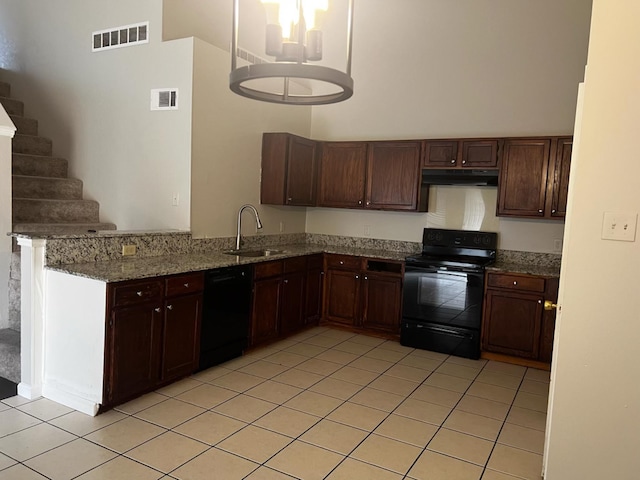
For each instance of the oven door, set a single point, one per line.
(442, 310)
(443, 296)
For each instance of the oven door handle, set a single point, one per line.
(448, 331)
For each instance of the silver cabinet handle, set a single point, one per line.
(539, 301)
(553, 211)
(515, 283)
(169, 307)
(366, 278)
(186, 285)
(341, 262)
(539, 211)
(286, 281)
(453, 161)
(359, 202)
(357, 276)
(464, 162)
(289, 199)
(368, 203)
(139, 293)
(157, 310)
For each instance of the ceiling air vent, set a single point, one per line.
(164, 99)
(250, 57)
(125, 36)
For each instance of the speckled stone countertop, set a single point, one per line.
(511, 267)
(147, 267)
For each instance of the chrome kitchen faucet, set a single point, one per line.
(258, 223)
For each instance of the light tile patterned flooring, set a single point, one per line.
(322, 404)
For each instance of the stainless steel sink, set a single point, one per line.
(255, 253)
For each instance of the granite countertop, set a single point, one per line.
(512, 267)
(133, 268)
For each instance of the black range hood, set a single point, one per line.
(432, 176)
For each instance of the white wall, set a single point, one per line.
(227, 145)
(95, 106)
(594, 431)
(437, 69)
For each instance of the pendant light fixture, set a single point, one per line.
(294, 44)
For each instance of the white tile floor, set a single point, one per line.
(323, 404)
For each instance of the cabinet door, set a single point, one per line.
(342, 296)
(342, 174)
(560, 186)
(512, 323)
(134, 339)
(301, 172)
(291, 318)
(479, 154)
(180, 339)
(313, 290)
(523, 178)
(265, 312)
(382, 300)
(393, 175)
(440, 153)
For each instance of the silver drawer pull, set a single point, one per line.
(186, 285)
(515, 283)
(341, 262)
(169, 307)
(157, 310)
(139, 293)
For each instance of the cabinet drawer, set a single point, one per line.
(139, 292)
(181, 284)
(295, 264)
(267, 269)
(344, 261)
(516, 282)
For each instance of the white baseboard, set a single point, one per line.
(70, 400)
(27, 391)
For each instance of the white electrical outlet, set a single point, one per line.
(619, 226)
(557, 245)
(128, 250)
(282, 227)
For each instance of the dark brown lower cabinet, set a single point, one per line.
(282, 301)
(313, 290)
(363, 293)
(382, 300)
(152, 334)
(515, 322)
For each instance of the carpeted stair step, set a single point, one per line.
(24, 125)
(62, 228)
(10, 355)
(32, 145)
(25, 186)
(5, 89)
(39, 166)
(13, 107)
(31, 210)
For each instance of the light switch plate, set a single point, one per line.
(619, 226)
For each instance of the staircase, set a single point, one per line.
(45, 201)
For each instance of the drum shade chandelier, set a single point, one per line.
(293, 39)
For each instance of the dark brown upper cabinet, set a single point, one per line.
(289, 170)
(374, 175)
(560, 174)
(343, 170)
(393, 175)
(466, 153)
(534, 177)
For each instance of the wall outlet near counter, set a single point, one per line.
(282, 227)
(557, 245)
(128, 250)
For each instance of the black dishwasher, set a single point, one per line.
(226, 311)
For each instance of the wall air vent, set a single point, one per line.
(164, 99)
(125, 36)
(250, 57)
